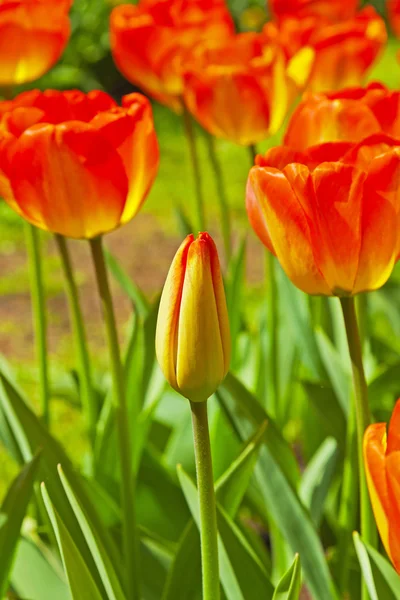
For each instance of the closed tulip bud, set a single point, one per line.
(193, 343)
(382, 466)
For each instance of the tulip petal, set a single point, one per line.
(380, 222)
(338, 195)
(393, 486)
(68, 179)
(168, 314)
(375, 469)
(200, 355)
(289, 225)
(131, 132)
(393, 444)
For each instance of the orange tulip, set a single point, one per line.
(33, 35)
(330, 214)
(382, 466)
(332, 9)
(193, 340)
(241, 89)
(393, 10)
(76, 164)
(150, 40)
(344, 51)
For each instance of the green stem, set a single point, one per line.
(273, 325)
(223, 203)
(363, 418)
(130, 532)
(252, 153)
(208, 512)
(39, 317)
(86, 383)
(194, 158)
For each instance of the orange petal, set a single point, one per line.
(168, 314)
(68, 179)
(281, 156)
(288, 225)
(380, 222)
(393, 486)
(393, 442)
(375, 469)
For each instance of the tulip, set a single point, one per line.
(193, 338)
(330, 214)
(76, 164)
(382, 465)
(393, 11)
(149, 41)
(241, 89)
(334, 10)
(33, 35)
(344, 51)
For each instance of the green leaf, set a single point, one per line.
(326, 404)
(80, 579)
(382, 581)
(232, 485)
(275, 481)
(289, 586)
(12, 513)
(37, 574)
(318, 477)
(242, 573)
(184, 577)
(338, 369)
(234, 295)
(94, 533)
(127, 284)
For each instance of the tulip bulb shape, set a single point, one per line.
(382, 466)
(193, 342)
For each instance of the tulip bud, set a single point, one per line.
(193, 343)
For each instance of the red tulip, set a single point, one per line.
(76, 164)
(330, 214)
(149, 41)
(382, 466)
(241, 89)
(393, 10)
(344, 51)
(33, 35)
(332, 9)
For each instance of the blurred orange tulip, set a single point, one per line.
(331, 9)
(193, 341)
(344, 51)
(33, 35)
(330, 213)
(149, 41)
(393, 11)
(241, 89)
(382, 466)
(76, 164)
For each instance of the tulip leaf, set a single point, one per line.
(326, 405)
(127, 284)
(89, 529)
(337, 369)
(276, 485)
(37, 576)
(80, 580)
(234, 295)
(241, 572)
(382, 581)
(12, 513)
(289, 586)
(317, 478)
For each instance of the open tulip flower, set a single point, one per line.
(76, 164)
(344, 51)
(242, 88)
(393, 11)
(193, 342)
(332, 9)
(150, 39)
(347, 115)
(330, 213)
(33, 35)
(382, 466)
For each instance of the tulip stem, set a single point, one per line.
(39, 317)
(363, 417)
(223, 203)
(130, 532)
(253, 154)
(86, 383)
(208, 511)
(194, 158)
